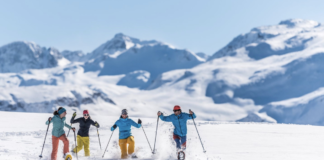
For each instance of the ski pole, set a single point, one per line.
(156, 133)
(198, 133)
(99, 138)
(71, 124)
(108, 144)
(69, 131)
(147, 139)
(49, 122)
(76, 147)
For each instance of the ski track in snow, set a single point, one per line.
(223, 141)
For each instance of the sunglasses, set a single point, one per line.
(176, 110)
(86, 115)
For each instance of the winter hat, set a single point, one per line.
(176, 107)
(85, 112)
(62, 110)
(125, 112)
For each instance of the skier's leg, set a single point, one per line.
(183, 142)
(65, 142)
(55, 143)
(177, 140)
(79, 144)
(86, 143)
(131, 145)
(123, 148)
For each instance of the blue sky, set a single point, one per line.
(199, 26)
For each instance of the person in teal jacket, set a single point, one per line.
(58, 132)
(125, 134)
(179, 121)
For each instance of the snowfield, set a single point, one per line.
(22, 136)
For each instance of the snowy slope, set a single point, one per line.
(23, 139)
(19, 56)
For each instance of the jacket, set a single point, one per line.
(125, 127)
(179, 122)
(84, 125)
(58, 125)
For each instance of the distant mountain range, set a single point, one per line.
(272, 74)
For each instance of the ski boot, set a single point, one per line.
(134, 156)
(67, 156)
(181, 155)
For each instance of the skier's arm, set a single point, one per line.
(165, 118)
(135, 124)
(47, 122)
(68, 126)
(96, 124)
(191, 116)
(114, 126)
(75, 120)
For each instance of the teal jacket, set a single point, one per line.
(125, 127)
(179, 122)
(58, 125)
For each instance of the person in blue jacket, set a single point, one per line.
(125, 135)
(179, 121)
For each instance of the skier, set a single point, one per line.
(125, 135)
(58, 132)
(179, 121)
(83, 133)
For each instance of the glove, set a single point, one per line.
(139, 121)
(49, 119)
(74, 114)
(73, 129)
(115, 126)
(97, 124)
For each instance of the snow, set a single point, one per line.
(23, 137)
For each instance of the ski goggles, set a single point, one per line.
(86, 115)
(176, 110)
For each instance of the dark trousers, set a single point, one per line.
(180, 140)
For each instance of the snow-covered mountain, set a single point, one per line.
(270, 74)
(74, 56)
(203, 55)
(289, 36)
(19, 56)
(272, 63)
(124, 55)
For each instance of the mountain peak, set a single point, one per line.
(21, 55)
(299, 23)
(289, 36)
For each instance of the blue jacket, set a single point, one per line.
(58, 125)
(125, 127)
(179, 122)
